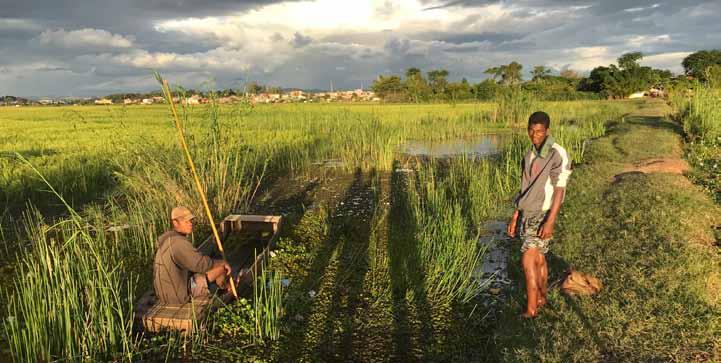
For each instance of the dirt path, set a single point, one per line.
(634, 220)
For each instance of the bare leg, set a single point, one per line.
(542, 280)
(530, 268)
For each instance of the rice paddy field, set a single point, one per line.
(379, 254)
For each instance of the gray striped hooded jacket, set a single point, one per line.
(542, 172)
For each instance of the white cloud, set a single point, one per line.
(307, 43)
(670, 61)
(586, 58)
(8, 24)
(645, 40)
(635, 10)
(84, 38)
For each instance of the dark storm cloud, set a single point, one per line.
(460, 38)
(66, 11)
(463, 49)
(604, 7)
(97, 47)
(135, 16)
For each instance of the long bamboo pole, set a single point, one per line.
(181, 136)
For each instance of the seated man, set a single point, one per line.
(176, 258)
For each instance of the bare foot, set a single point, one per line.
(528, 315)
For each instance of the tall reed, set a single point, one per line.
(71, 299)
(448, 249)
(267, 305)
(702, 120)
(513, 104)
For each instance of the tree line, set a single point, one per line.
(613, 81)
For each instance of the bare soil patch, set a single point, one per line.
(673, 165)
(661, 165)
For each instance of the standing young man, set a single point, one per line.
(546, 168)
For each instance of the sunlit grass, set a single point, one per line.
(122, 166)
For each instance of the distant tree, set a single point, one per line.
(458, 91)
(509, 73)
(495, 72)
(629, 61)
(539, 73)
(512, 73)
(253, 88)
(411, 72)
(438, 82)
(626, 78)
(227, 92)
(390, 88)
(486, 90)
(696, 64)
(417, 86)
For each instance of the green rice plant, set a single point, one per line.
(702, 119)
(267, 305)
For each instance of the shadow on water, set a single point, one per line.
(337, 272)
(353, 261)
(410, 302)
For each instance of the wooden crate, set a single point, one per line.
(155, 317)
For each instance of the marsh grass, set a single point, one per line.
(126, 161)
(268, 307)
(71, 299)
(447, 248)
(702, 117)
(700, 114)
(513, 105)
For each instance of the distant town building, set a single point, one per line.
(104, 101)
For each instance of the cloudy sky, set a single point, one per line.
(96, 47)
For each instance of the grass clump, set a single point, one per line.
(702, 117)
(71, 299)
(448, 249)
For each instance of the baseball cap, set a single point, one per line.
(181, 213)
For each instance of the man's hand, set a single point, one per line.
(546, 230)
(511, 230)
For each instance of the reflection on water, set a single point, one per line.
(484, 145)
